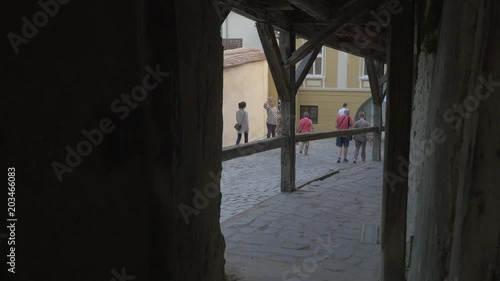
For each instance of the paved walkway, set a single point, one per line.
(247, 181)
(310, 234)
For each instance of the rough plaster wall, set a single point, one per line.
(420, 118)
(457, 228)
(247, 82)
(476, 244)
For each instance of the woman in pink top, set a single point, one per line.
(305, 126)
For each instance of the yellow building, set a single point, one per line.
(335, 78)
(245, 79)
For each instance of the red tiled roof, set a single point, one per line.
(241, 56)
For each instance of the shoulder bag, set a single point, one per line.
(237, 127)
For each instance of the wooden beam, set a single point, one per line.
(284, 46)
(343, 44)
(304, 66)
(373, 44)
(377, 135)
(236, 151)
(377, 70)
(246, 149)
(377, 107)
(273, 55)
(347, 13)
(372, 78)
(397, 143)
(313, 8)
(351, 48)
(382, 79)
(347, 45)
(279, 5)
(309, 30)
(250, 11)
(222, 10)
(287, 46)
(246, 9)
(333, 134)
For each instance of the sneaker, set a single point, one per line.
(354, 161)
(338, 160)
(345, 160)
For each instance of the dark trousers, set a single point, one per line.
(271, 130)
(239, 138)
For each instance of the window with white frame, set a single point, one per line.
(316, 69)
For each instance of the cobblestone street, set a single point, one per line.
(311, 234)
(249, 180)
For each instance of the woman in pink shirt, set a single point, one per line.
(305, 126)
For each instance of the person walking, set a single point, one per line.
(361, 139)
(305, 126)
(242, 120)
(272, 117)
(344, 122)
(343, 109)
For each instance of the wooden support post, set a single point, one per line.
(304, 66)
(285, 81)
(373, 79)
(222, 10)
(287, 47)
(397, 142)
(377, 136)
(315, 9)
(273, 56)
(373, 76)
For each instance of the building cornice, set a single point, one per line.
(314, 89)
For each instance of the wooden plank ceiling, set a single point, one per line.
(346, 18)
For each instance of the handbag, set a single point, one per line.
(237, 127)
(298, 132)
(349, 125)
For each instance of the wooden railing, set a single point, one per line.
(250, 148)
(236, 151)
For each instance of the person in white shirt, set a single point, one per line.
(341, 111)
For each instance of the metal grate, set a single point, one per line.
(232, 43)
